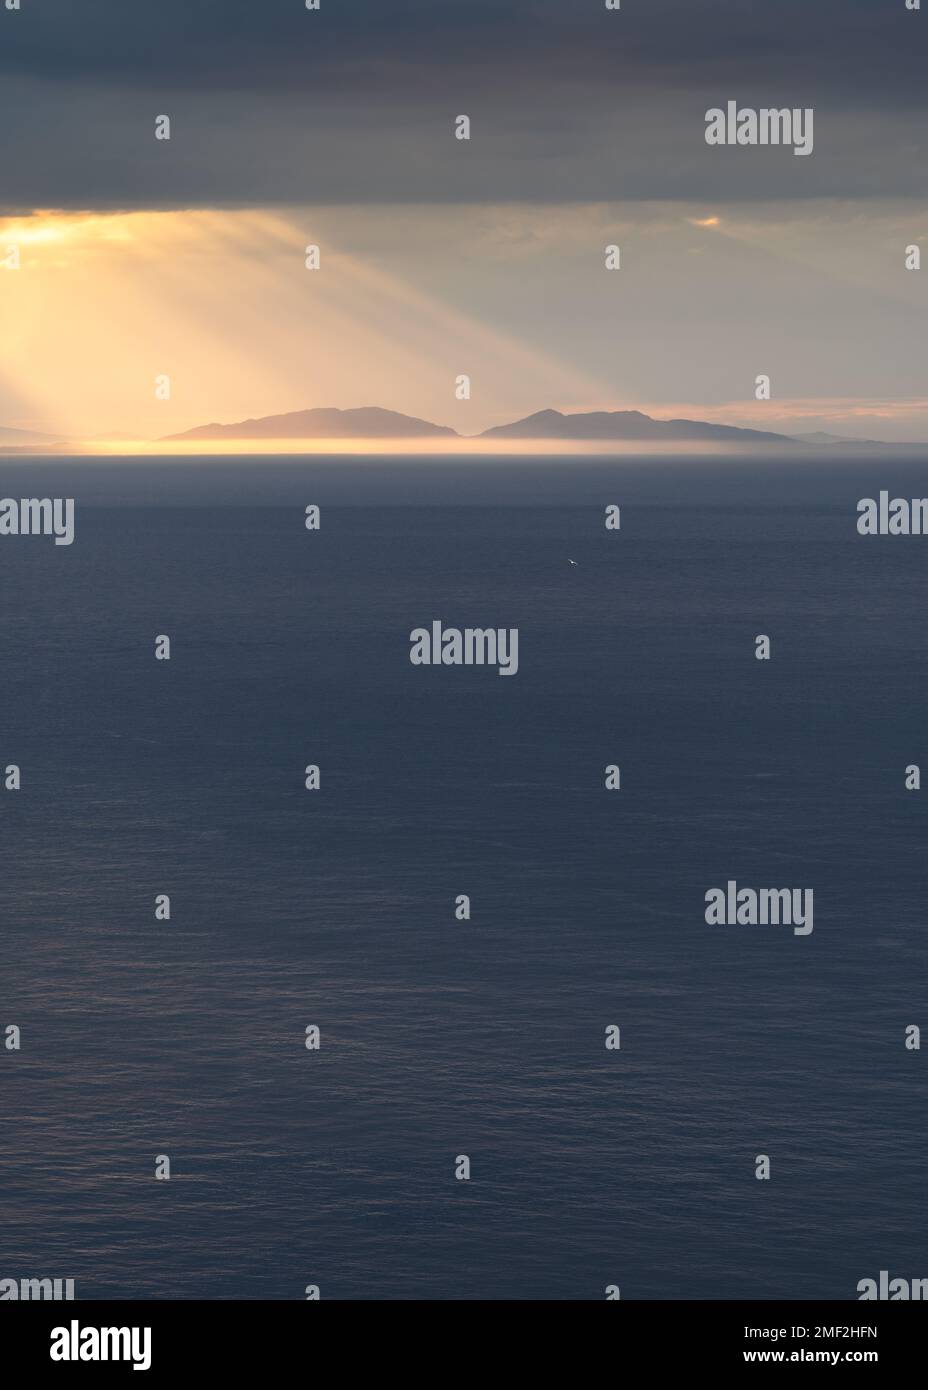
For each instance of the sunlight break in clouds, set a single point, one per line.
(515, 296)
(223, 304)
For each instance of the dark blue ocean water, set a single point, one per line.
(442, 1038)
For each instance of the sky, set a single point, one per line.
(441, 257)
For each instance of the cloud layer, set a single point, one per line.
(273, 104)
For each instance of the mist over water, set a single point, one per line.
(787, 479)
(336, 908)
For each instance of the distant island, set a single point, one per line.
(27, 438)
(626, 424)
(374, 426)
(371, 422)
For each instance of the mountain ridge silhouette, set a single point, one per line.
(374, 422)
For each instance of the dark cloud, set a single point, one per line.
(275, 104)
(872, 50)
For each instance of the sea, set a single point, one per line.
(441, 1037)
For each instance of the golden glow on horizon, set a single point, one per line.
(104, 303)
(388, 448)
(221, 302)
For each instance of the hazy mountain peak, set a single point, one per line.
(625, 425)
(11, 436)
(366, 422)
(376, 423)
